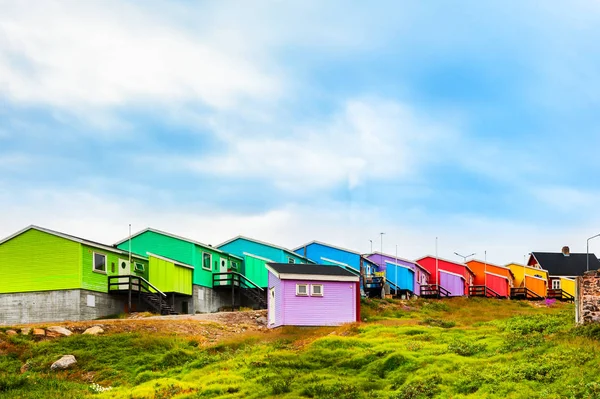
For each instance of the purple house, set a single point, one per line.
(404, 276)
(312, 295)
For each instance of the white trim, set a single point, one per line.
(335, 261)
(240, 237)
(135, 269)
(399, 265)
(454, 274)
(83, 241)
(200, 244)
(312, 292)
(316, 277)
(536, 277)
(306, 286)
(559, 284)
(94, 253)
(175, 262)
(526, 266)
(210, 265)
(394, 257)
(257, 257)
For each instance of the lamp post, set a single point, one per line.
(587, 251)
(371, 245)
(464, 257)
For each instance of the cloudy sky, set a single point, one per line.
(290, 121)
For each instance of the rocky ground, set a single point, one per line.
(205, 328)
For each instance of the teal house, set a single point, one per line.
(257, 254)
(208, 290)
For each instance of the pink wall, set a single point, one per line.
(336, 306)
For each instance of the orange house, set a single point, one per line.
(491, 280)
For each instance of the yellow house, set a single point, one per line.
(533, 278)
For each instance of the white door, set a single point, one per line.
(556, 284)
(223, 268)
(124, 270)
(272, 305)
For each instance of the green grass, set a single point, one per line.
(458, 348)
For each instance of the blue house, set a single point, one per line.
(257, 254)
(327, 254)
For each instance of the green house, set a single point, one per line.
(204, 261)
(48, 275)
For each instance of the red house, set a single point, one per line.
(451, 279)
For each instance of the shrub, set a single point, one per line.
(8, 382)
(437, 322)
(465, 348)
(419, 389)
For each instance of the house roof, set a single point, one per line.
(149, 229)
(288, 271)
(492, 264)
(526, 266)
(69, 237)
(558, 264)
(446, 260)
(268, 244)
(327, 245)
(401, 259)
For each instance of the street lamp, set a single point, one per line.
(464, 257)
(587, 252)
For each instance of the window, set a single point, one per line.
(99, 263)
(316, 290)
(206, 261)
(291, 260)
(138, 267)
(556, 284)
(302, 289)
(234, 265)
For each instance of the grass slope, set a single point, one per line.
(458, 348)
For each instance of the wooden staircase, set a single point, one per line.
(140, 288)
(524, 293)
(434, 291)
(398, 292)
(246, 287)
(484, 291)
(560, 295)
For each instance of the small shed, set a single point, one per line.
(312, 295)
(447, 278)
(491, 280)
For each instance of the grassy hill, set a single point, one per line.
(458, 348)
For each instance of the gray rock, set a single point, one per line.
(94, 330)
(64, 363)
(11, 332)
(25, 330)
(57, 330)
(262, 320)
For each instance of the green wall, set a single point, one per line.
(97, 281)
(179, 250)
(169, 277)
(38, 261)
(255, 270)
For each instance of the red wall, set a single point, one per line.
(428, 263)
(498, 284)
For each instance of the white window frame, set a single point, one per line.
(103, 271)
(209, 268)
(306, 292)
(141, 269)
(556, 284)
(291, 261)
(312, 290)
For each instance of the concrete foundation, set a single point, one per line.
(208, 300)
(42, 306)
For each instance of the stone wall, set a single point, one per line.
(587, 301)
(42, 306)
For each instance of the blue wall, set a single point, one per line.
(241, 245)
(403, 277)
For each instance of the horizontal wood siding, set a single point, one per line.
(567, 285)
(401, 276)
(96, 281)
(316, 251)
(255, 270)
(274, 282)
(336, 306)
(38, 261)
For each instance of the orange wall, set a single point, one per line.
(536, 285)
(478, 268)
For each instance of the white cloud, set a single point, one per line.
(76, 54)
(368, 138)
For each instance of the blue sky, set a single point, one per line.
(294, 121)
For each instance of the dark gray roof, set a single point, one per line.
(558, 264)
(299, 268)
